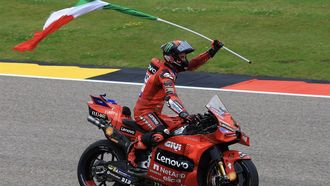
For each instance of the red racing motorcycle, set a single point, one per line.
(195, 154)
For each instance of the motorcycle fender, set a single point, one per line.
(230, 157)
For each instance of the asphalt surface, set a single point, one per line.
(43, 130)
(197, 79)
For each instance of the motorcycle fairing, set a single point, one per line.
(170, 171)
(230, 157)
(244, 139)
(111, 112)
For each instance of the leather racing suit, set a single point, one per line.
(158, 88)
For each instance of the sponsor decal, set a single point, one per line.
(229, 165)
(152, 68)
(168, 83)
(173, 145)
(110, 111)
(219, 112)
(224, 130)
(146, 78)
(127, 130)
(124, 179)
(179, 105)
(168, 47)
(174, 161)
(97, 114)
(166, 74)
(171, 176)
(227, 127)
(242, 155)
(153, 119)
(230, 135)
(156, 167)
(156, 179)
(155, 172)
(116, 170)
(172, 180)
(191, 139)
(115, 176)
(174, 106)
(146, 122)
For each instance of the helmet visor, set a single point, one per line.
(184, 47)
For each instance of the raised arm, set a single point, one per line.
(202, 58)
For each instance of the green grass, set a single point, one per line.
(285, 38)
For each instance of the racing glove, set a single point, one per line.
(216, 46)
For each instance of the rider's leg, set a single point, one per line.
(157, 134)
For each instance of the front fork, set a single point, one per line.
(226, 166)
(222, 178)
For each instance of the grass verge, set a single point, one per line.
(284, 38)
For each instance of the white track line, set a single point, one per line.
(183, 87)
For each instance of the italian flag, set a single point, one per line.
(62, 17)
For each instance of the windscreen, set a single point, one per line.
(216, 106)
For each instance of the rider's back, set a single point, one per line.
(151, 97)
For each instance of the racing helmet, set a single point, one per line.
(172, 51)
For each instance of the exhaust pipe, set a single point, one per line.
(95, 122)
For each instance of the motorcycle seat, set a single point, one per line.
(132, 124)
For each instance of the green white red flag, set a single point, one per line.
(62, 17)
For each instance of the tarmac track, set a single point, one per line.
(43, 130)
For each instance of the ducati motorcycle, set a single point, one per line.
(195, 154)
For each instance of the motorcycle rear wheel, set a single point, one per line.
(247, 174)
(102, 150)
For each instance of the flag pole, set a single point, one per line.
(184, 28)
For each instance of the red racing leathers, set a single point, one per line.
(158, 88)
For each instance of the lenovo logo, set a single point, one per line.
(127, 130)
(174, 161)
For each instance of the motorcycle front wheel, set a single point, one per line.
(247, 174)
(90, 163)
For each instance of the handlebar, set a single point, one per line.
(207, 124)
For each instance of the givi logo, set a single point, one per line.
(173, 145)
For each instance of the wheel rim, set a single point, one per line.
(93, 176)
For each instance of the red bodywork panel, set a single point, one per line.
(175, 161)
(112, 113)
(230, 157)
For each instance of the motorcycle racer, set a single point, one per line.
(159, 88)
